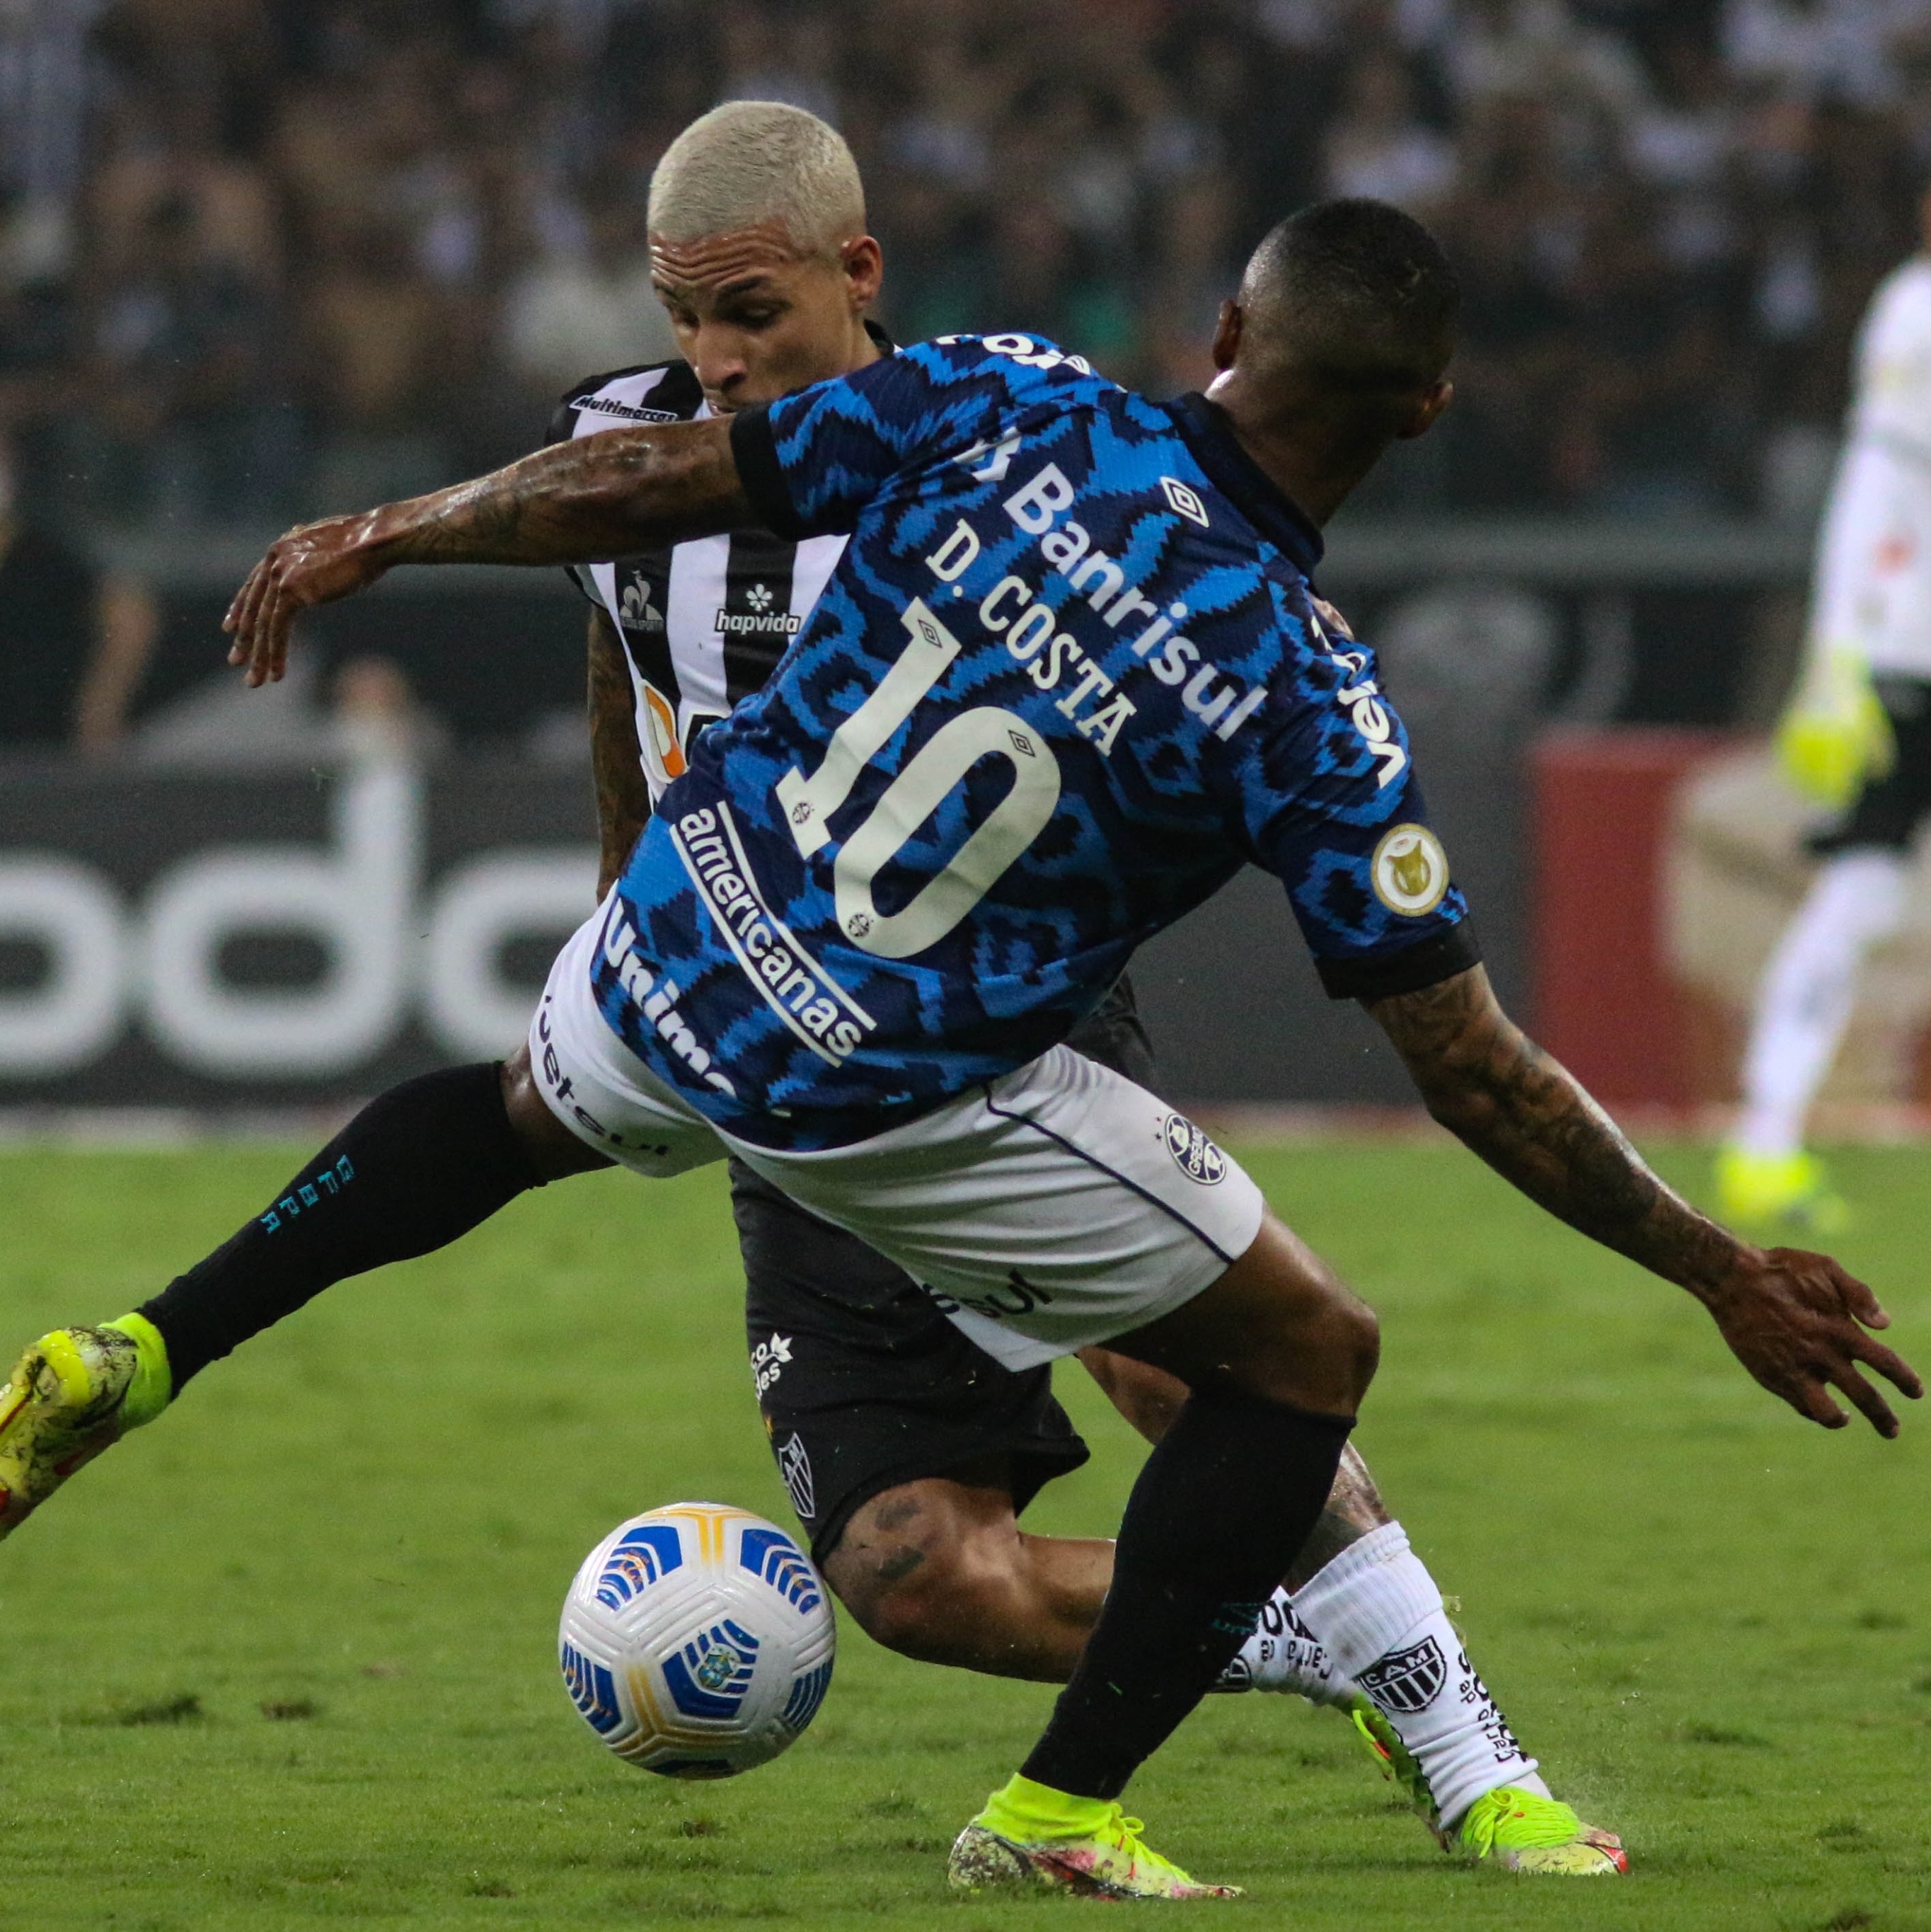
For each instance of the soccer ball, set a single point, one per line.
(697, 1640)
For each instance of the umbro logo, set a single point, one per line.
(1186, 501)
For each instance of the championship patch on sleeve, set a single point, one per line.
(1410, 871)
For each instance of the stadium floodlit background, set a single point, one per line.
(286, 1656)
(259, 261)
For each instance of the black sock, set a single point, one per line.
(419, 1165)
(1218, 1516)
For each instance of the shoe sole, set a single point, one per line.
(982, 1860)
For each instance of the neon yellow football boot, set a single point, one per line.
(1516, 1831)
(1521, 1832)
(1030, 1834)
(1770, 1190)
(72, 1394)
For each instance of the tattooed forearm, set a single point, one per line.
(623, 800)
(597, 497)
(1526, 1115)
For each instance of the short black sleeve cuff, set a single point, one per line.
(754, 450)
(1381, 976)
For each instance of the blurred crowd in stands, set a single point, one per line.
(263, 258)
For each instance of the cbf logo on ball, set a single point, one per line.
(1196, 1157)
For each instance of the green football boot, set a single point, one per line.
(72, 1394)
(1030, 1835)
(1514, 1830)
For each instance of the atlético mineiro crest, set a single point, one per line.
(795, 1465)
(1408, 1681)
(1196, 1157)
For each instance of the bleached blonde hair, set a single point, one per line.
(753, 161)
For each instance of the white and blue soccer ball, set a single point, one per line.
(697, 1640)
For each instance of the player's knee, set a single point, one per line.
(1348, 1331)
(552, 1150)
(1320, 1351)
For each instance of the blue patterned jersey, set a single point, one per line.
(1069, 676)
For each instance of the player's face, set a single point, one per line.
(756, 320)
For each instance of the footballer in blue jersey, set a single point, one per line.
(1067, 679)
(931, 841)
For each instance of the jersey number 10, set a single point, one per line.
(941, 764)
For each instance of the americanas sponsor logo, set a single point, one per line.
(1195, 1155)
(1410, 871)
(796, 987)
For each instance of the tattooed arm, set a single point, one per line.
(623, 799)
(1792, 1318)
(595, 497)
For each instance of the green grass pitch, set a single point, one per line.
(286, 1659)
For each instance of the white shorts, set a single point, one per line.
(1058, 1206)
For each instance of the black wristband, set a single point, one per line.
(1379, 976)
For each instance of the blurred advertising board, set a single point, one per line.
(277, 936)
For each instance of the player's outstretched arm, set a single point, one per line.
(595, 497)
(1796, 1320)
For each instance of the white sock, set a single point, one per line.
(1376, 1612)
(1809, 989)
(1284, 1655)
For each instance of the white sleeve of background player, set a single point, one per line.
(1844, 605)
(1880, 501)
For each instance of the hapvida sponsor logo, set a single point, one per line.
(760, 619)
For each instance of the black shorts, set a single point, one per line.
(862, 1383)
(1890, 809)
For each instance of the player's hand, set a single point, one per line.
(1798, 1321)
(314, 563)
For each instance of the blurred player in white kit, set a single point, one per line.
(1857, 737)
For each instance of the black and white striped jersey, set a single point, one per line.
(704, 623)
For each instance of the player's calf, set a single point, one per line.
(939, 1570)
